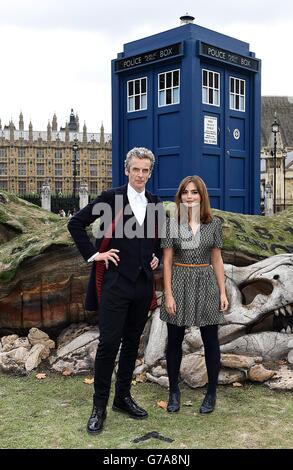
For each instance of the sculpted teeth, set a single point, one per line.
(287, 330)
(286, 310)
(289, 309)
(283, 311)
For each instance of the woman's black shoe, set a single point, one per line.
(208, 404)
(174, 402)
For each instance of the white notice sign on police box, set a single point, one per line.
(210, 130)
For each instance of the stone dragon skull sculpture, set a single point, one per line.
(260, 316)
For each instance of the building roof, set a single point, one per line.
(69, 133)
(91, 136)
(73, 124)
(283, 107)
(289, 160)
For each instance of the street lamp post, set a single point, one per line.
(275, 130)
(284, 176)
(75, 149)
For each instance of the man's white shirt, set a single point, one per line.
(138, 203)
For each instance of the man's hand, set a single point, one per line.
(110, 255)
(154, 263)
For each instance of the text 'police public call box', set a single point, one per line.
(192, 96)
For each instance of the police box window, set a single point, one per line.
(137, 94)
(169, 88)
(210, 87)
(237, 94)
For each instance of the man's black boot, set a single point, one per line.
(208, 404)
(128, 406)
(174, 402)
(96, 420)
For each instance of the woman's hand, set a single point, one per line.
(170, 304)
(107, 256)
(224, 304)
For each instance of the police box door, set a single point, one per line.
(225, 157)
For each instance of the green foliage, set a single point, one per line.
(36, 230)
(254, 235)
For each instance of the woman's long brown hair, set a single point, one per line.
(205, 207)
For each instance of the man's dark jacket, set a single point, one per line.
(135, 254)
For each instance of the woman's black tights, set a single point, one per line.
(209, 335)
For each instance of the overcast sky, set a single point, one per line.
(56, 54)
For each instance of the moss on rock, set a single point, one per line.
(254, 235)
(36, 230)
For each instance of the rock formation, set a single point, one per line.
(43, 278)
(43, 281)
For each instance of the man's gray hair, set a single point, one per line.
(139, 152)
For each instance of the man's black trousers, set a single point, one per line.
(123, 312)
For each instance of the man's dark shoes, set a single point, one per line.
(174, 402)
(128, 406)
(96, 420)
(208, 404)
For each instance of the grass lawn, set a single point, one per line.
(52, 413)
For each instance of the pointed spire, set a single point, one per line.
(11, 131)
(30, 132)
(54, 123)
(66, 132)
(49, 132)
(72, 121)
(84, 134)
(77, 122)
(0, 125)
(102, 135)
(21, 123)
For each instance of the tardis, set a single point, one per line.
(193, 97)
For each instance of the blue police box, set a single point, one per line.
(193, 97)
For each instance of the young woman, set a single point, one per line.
(194, 285)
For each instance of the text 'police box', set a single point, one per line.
(192, 96)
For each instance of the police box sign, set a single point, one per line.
(229, 57)
(147, 57)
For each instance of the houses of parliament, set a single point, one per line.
(30, 158)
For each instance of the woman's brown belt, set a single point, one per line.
(191, 265)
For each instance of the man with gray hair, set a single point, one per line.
(127, 288)
(141, 153)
